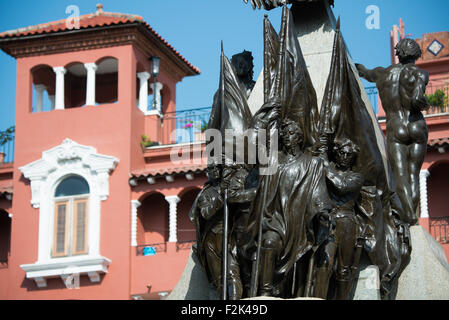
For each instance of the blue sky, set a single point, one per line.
(195, 29)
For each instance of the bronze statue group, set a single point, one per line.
(333, 201)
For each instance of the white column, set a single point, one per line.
(173, 201)
(143, 91)
(423, 175)
(52, 101)
(90, 87)
(134, 205)
(157, 95)
(39, 89)
(60, 72)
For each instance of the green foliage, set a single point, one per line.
(438, 99)
(7, 135)
(146, 142)
(202, 126)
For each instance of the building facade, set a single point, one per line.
(82, 122)
(94, 203)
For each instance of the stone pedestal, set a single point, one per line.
(193, 284)
(368, 283)
(427, 275)
(425, 278)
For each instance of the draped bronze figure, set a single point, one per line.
(303, 229)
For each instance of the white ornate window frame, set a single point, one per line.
(45, 174)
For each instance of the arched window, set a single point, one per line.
(5, 238)
(106, 87)
(75, 85)
(70, 217)
(43, 89)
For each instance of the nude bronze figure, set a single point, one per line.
(402, 90)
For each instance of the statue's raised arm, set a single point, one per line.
(271, 4)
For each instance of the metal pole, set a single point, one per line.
(256, 264)
(224, 267)
(154, 92)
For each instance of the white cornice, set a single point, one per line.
(69, 157)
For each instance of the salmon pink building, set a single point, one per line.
(87, 210)
(96, 187)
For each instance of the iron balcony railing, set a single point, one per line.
(185, 126)
(373, 94)
(438, 97)
(151, 249)
(439, 229)
(7, 152)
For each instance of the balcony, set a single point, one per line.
(373, 94)
(188, 126)
(439, 100)
(439, 228)
(185, 126)
(7, 152)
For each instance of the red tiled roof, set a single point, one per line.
(168, 171)
(92, 20)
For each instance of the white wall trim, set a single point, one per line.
(69, 158)
(134, 205)
(81, 265)
(172, 220)
(56, 164)
(424, 209)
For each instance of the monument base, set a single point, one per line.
(427, 275)
(193, 284)
(425, 278)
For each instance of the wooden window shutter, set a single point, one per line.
(79, 245)
(60, 234)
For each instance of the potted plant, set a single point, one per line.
(438, 100)
(5, 137)
(200, 134)
(146, 142)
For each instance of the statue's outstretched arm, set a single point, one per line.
(370, 75)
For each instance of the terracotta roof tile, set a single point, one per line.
(93, 20)
(167, 171)
(436, 143)
(6, 188)
(85, 21)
